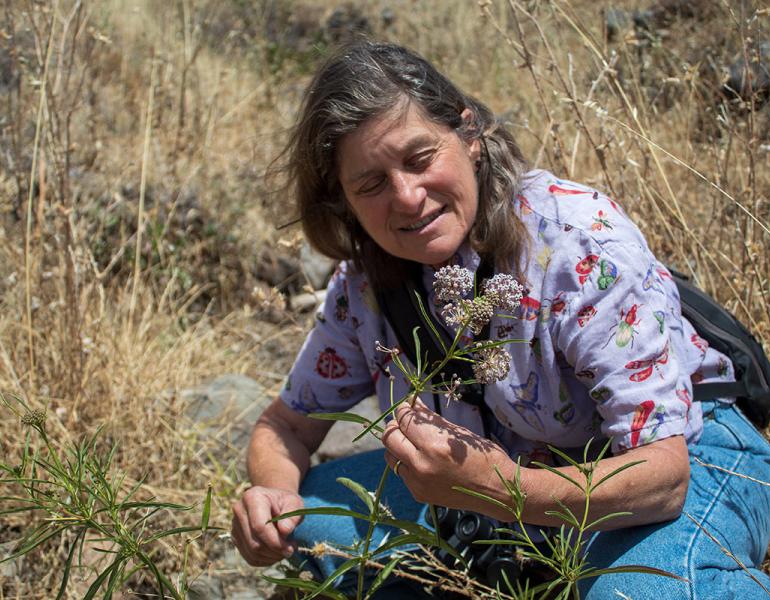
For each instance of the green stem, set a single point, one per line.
(373, 519)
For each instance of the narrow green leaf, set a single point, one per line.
(426, 319)
(566, 517)
(206, 509)
(65, 577)
(618, 470)
(344, 416)
(600, 520)
(484, 497)
(383, 575)
(565, 456)
(417, 353)
(178, 530)
(359, 491)
(398, 541)
(301, 584)
(91, 592)
(322, 510)
(374, 423)
(329, 581)
(162, 580)
(556, 471)
(631, 569)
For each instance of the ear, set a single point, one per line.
(474, 147)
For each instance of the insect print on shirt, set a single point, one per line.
(722, 367)
(585, 314)
(586, 375)
(529, 308)
(502, 331)
(644, 368)
(601, 394)
(585, 266)
(308, 402)
(608, 274)
(526, 208)
(551, 306)
(684, 396)
(544, 257)
(541, 227)
(650, 282)
(566, 412)
(660, 317)
(624, 331)
(641, 416)
(537, 350)
(341, 307)
(699, 342)
(568, 188)
(526, 402)
(331, 365)
(600, 222)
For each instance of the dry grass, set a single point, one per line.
(164, 116)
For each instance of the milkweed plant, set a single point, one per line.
(563, 555)
(85, 503)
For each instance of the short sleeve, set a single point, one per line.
(614, 334)
(330, 372)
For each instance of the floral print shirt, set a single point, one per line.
(600, 348)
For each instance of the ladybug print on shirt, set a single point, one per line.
(331, 365)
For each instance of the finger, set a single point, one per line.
(252, 550)
(398, 444)
(264, 532)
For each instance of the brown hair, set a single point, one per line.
(363, 81)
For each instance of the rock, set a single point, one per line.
(617, 21)
(206, 587)
(345, 23)
(316, 267)
(338, 442)
(224, 412)
(306, 302)
(753, 76)
(12, 568)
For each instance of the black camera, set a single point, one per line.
(491, 564)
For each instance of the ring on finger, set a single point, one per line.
(396, 466)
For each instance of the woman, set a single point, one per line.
(396, 167)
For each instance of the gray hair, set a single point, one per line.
(368, 79)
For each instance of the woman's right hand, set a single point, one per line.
(260, 542)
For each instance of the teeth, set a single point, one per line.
(423, 222)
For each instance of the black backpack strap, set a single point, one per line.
(729, 336)
(402, 310)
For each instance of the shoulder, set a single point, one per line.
(557, 207)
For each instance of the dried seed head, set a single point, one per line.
(452, 283)
(503, 291)
(34, 418)
(492, 364)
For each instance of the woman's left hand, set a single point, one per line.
(434, 455)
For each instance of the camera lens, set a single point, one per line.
(468, 527)
(498, 567)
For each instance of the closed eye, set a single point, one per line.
(421, 160)
(371, 186)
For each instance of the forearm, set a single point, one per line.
(652, 491)
(280, 447)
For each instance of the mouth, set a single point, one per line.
(427, 220)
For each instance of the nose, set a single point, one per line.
(408, 192)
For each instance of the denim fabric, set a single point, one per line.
(734, 510)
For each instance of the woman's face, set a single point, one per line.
(411, 183)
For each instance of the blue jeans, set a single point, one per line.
(734, 510)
